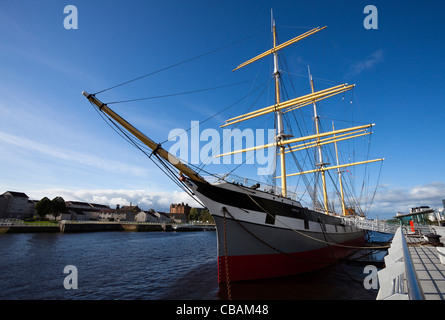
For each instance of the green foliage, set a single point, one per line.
(44, 207)
(202, 215)
(206, 216)
(55, 207)
(58, 207)
(193, 215)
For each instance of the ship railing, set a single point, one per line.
(250, 183)
(370, 224)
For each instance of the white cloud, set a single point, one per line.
(70, 155)
(360, 66)
(390, 200)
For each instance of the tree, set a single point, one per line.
(206, 216)
(202, 215)
(44, 207)
(193, 215)
(58, 206)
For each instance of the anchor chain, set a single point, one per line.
(229, 294)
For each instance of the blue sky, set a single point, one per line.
(53, 143)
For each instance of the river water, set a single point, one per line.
(147, 266)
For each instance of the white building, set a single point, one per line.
(156, 217)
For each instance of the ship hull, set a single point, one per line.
(262, 236)
(270, 253)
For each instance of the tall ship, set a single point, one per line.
(264, 231)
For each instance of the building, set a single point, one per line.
(112, 215)
(128, 212)
(15, 205)
(153, 216)
(418, 215)
(32, 208)
(78, 210)
(180, 212)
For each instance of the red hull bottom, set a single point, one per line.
(250, 267)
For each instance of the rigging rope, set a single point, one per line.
(179, 93)
(164, 166)
(178, 63)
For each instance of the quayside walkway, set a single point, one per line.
(414, 267)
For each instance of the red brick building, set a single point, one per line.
(180, 211)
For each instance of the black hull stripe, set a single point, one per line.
(274, 207)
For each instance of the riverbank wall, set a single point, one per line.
(29, 229)
(77, 227)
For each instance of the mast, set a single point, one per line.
(282, 140)
(279, 115)
(343, 208)
(320, 163)
(277, 108)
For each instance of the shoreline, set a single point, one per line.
(93, 226)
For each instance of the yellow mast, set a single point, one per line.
(144, 139)
(343, 208)
(280, 137)
(280, 46)
(280, 129)
(300, 139)
(321, 164)
(291, 104)
(329, 140)
(334, 167)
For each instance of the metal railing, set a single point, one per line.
(12, 222)
(415, 291)
(249, 183)
(398, 280)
